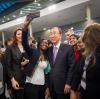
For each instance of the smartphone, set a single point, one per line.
(33, 15)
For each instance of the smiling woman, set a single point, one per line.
(16, 63)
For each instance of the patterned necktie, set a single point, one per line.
(54, 54)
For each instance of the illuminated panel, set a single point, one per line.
(5, 6)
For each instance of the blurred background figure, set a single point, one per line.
(68, 33)
(2, 92)
(32, 42)
(9, 41)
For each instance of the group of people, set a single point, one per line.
(53, 69)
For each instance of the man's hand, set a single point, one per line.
(47, 93)
(73, 95)
(67, 89)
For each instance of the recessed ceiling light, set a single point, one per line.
(3, 21)
(44, 29)
(21, 12)
(52, 7)
(8, 19)
(29, 9)
(14, 16)
(38, 4)
(35, 1)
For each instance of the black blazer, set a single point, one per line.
(13, 63)
(93, 77)
(62, 70)
(77, 74)
(33, 54)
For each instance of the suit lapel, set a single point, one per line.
(18, 52)
(51, 55)
(90, 65)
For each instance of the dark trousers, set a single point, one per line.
(34, 91)
(18, 94)
(55, 95)
(2, 96)
(82, 93)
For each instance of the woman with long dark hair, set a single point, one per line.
(38, 67)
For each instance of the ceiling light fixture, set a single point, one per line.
(29, 9)
(14, 16)
(44, 29)
(52, 7)
(39, 4)
(21, 12)
(3, 21)
(8, 19)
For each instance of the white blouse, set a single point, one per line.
(38, 77)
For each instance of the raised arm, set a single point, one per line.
(25, 42)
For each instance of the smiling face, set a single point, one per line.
(19, 35)
(55, 35)
(80, 44)
(43, 45)
(67, 35)
(73, 40)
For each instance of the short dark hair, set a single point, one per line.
(76, 36)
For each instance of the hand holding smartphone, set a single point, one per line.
(29, 18)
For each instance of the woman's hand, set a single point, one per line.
(67, 88)
(47, 93)
(24, 62)
(15, 84)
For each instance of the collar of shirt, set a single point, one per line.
(58, 45)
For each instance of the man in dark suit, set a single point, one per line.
(61, 57)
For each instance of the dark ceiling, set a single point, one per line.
(12, 9)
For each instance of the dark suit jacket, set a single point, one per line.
(93, 77)
(13, 63)
(1, 79)
(62, 70)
